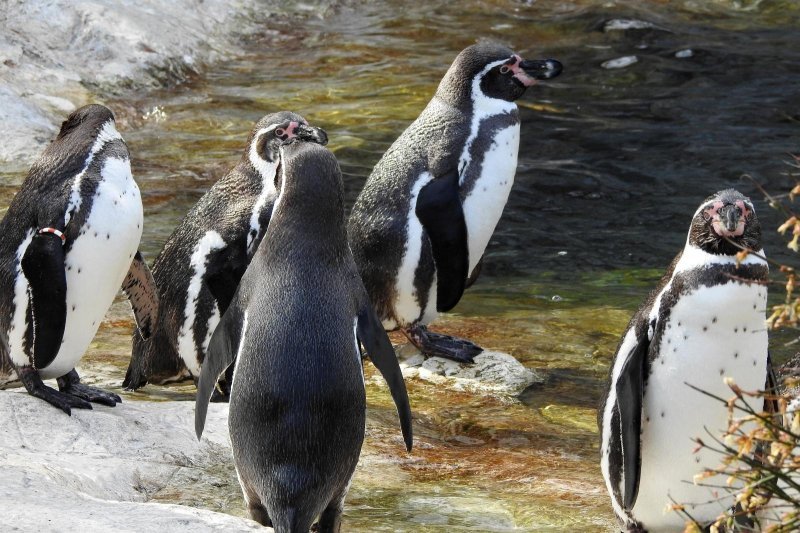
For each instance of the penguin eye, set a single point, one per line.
(280, 132)
(505, 69)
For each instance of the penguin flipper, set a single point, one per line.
(630, 390)
(381, 353)
(220, 355)
(140, 288)
(43, 266)
(440, 212)
(223, 274)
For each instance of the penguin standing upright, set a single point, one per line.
(704, 322)
(420, 226)
(297, 406)
(203, 260)
(68, 243)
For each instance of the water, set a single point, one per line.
(613, 163)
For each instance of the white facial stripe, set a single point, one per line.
(482, 108)
(107, 134)
(266, 169)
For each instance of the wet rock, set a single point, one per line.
(620, 62)
(98, 470)
(626, 24)
(493, 372)
(58, 55)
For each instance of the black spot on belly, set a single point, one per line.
(714, 320)
(744, 328)
(73, 307)
(736, 330)
(79, 271)
(662, 414)
(754, 362)
(696, 459)
(685, 337)
(108, 236)
(95, 234)
(736, 355)
(705, 328)
(721, 371)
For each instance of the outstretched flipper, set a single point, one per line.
(43, 266)
(380, 351)
(440, 212)
(630, 391)
(220, 355)
(140, 288)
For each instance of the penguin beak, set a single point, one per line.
(729, 221)
(541, 69)
(311, 134)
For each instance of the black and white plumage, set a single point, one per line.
(297, 406)
(67, 243)
(703, 323)
(200, 266)
(419, 228)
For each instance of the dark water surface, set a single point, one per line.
(613, 163)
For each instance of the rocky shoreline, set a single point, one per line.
(58, 55)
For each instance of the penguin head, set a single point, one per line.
(725, 224)
(276, 129)
(309, 182)
(88, 119)
(495, 71)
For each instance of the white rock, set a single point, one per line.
(626, 24)
(683, 54)
(620, 62)
(72, 48)
(95, 470)
(493, 372)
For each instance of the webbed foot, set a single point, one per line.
(70, 383)
(439, 345)
(33, 383)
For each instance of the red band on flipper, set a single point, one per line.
(55, 232)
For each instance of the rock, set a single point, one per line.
(620, 62)
(493, 372)
(96, 470)
(57, 55)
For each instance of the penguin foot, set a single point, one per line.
(70, 383)
(439, 345)
(36, 387)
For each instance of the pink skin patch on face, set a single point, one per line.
(712, 214)
(519, 74)
(289, 132)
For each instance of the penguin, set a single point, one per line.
(703, 323)
(68, 242)
(297, 406)
(419, 228)
(200, 266)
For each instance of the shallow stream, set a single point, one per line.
(613, 163)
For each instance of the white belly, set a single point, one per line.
(712, 333)
(98, 261)
(484, 205)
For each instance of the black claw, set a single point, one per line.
(36, 387)
(438, 345)
(71, 385)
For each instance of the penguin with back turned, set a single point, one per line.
(297, 406)
(68, 243)
(420, 226)
(704, 322)
(200, 266)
